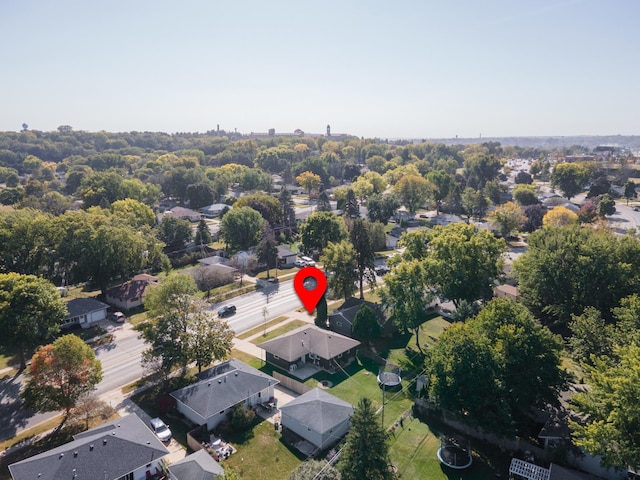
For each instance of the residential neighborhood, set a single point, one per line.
(199, 358)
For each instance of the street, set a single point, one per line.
(121, 357)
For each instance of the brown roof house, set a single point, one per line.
(124, 448)
(308, 349)
(130, 294)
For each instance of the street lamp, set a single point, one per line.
(265, 312)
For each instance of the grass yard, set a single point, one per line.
(260, 329)
(246, 358)
(287, 327)
(413, 450)
(261, 454)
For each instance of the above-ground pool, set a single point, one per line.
(454, 454)
(389, 379)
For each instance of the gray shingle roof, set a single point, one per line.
(106, 452)
(222, 387)
(318, 410)
(309, 339)
(82, 306)
(197, 466)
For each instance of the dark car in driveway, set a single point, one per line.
(227, 310)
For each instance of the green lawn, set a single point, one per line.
(262, 455)
(287, 327)
(260, 329)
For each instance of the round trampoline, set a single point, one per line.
(389, 379)
(455, 454)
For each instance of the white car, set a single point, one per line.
(160, 429)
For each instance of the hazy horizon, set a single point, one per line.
(408, 70)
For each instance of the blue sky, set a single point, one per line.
(408, 69)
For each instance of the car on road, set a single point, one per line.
(227, 310)
(382, 270)
(161, 430)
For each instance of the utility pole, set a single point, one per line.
(265, 312)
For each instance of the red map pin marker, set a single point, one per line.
(310, 298)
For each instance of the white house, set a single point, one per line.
(220, 389)
(85, 312)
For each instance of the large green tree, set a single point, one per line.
(59, 374)
(175, 232)
(241, 228)
(413, 191)
(566, 269)
(406, 296)
(30, 311)
(339, 260)
(462, 263)
(441, 182)
(359, 460)
(320, 229)
(381, 207)
(360, 237)
(610, 410)
(570, 178)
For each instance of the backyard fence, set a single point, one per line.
(291, 384)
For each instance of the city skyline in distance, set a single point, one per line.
(411, 70)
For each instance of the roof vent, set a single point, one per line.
(104, 441)
(75, 454)
(219, 381)
(91, 447)
(236, 374)
(61, 455)
(208, 384)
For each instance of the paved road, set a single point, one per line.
(121, 358)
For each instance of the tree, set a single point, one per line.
(365, 323)
(413, 191)
(175, 232)
(606, 205)
(133, 212)
(241, 228)
(309, 181)
(351, 207)
(534, 215)
(462, 263)
(200, 194)
(507, 218)
(493, 190)
(591, 336)
(611, 410)
(359, 460)
(523, 178)
(569, 178)
(288, 212)
(267, 250)
(207, 338)
(324, 204)
(474, 203)
(30, 311)
(406, 296)
(559, 217)
(339, 260)
(203, 235)
(566, 269)
(441, 183)
(319, 229)
(630, 191)
(314, 470)
(266, 205)
(381, 207)
(480, 167)
(60, 373)
(322, 312)
(365, 253)
(525, 195)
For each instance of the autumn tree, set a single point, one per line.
(358, 459)
(59, 374)
(559, 217)
(30, 311)
(309, 181)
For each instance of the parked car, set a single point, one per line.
(227, 310)
(118, 317)
(382, 270)
(160, 429)
(308, 261)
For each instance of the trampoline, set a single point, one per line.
(389, 379)
(455, 453)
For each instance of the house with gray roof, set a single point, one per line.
(310, 345)
(197, 466)
(341, 321)
(317, 416)
(123, 448)
(85, 312)
(220, 389)
(285, 256)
